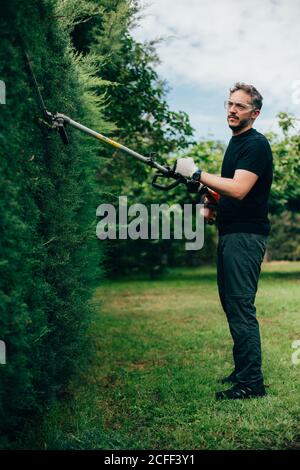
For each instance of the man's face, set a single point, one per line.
(240, 111)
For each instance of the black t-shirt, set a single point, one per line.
(248, 151)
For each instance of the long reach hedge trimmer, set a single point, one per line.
(59, 121)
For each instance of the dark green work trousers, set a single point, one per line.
(239, 262)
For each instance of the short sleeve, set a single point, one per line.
(254, 158)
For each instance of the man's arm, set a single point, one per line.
(237, 187)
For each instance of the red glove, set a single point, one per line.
(210, 201)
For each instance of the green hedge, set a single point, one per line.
(49, 253)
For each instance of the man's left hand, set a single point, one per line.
(209, 213)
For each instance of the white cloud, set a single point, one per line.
(213, 44)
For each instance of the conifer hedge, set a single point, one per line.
(49, 252)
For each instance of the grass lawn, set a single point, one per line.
(160, 347)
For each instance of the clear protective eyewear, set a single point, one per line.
(239, 106)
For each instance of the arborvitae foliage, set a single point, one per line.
(49, 252)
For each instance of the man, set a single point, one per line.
(243, 225)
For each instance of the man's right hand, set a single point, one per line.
(185, 166)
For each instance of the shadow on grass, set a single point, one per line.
(207, 273)
(281, 275)
(212, 276)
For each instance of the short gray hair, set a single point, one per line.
(256, 97)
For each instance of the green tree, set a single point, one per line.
(286, 186)
(136, 103)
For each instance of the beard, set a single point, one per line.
(240, 124)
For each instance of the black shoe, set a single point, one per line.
(228, 379)
(240, 391)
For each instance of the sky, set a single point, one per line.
(211, 44)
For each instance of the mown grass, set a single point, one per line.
(160, 347)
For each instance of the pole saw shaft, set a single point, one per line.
(67, 120)
(58, 121)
